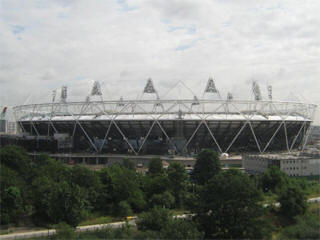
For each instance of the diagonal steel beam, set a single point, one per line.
(296, 137)
(237, 135)
(84, 131)
(214, 139)
(124, 136)
(193, 134)
(286, 135)
(105, 136)
(306, 137)
(146, 137)
(164, 132)
(274, 134)
(254, 135)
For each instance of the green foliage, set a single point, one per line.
(128, 164)
(154, 220)
(65, 232)
(11, 205)
(94, 218)
(165, 200)
(124, 209)
(273, 180)
(55, 202)
(309, 186)
(89, 182)
(84, 177)
(17, 159)
(124, 232)
(13, 193)
(159, 220)
(180, 229)
(207, 165)
(155, 185)
(229, 207)
(119, 184)
(178, 181)
(292, 201)
(307, 227)
(55, 170)
(155, 167)
(148, 234)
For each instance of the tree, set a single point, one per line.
(155, 185)
(273, 180)
(128, 164)
(124, 209)
(292, 201)
(65, 232)
(307, 227)
(154, 220)
(165, 200)
(17, 159)
(120, 184)
(229, 207)
(11, 205)
(155, 167)
(207, 165)
(178, 180)
(89, 182)
(180, 229)
(56, 202)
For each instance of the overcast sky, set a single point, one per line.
(47, 44)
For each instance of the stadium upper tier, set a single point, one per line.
(160, 126)
(167, 109)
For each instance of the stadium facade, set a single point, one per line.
(165, 126)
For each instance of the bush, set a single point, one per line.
(292, 201)
(154, 220)
(180, 229)
(165, 200)
(124, 209)
(273, 180)
(65, 232)
(307, 227)
(155, 167)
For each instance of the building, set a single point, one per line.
(3, 126)
(164, 126)
(11, 127)
(304, 164)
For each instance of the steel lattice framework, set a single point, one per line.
(174, 126)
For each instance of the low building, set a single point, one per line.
(3, 126)
(304, 164)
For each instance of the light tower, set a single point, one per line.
(64, 94)
(211, 88)
(269, 87)
(150, 89)
(256, 91)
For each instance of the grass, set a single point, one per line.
(314, 208)
(19, 229)
(93, 220)
(179, 211)
(269, 198)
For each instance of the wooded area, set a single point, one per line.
(226, 204)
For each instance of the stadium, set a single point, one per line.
(161, 126)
